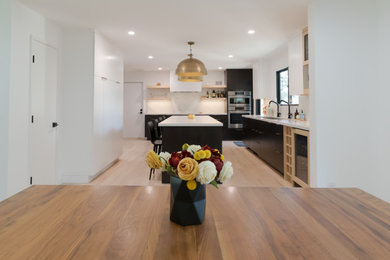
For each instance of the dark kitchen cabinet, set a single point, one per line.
(228, 133)
(239, 79)
(266, 140)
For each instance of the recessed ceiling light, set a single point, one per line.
(230, 56)
(251, 31)
(220, 68)
(159, 68)
(150, 57)
(131, 32)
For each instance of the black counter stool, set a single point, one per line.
(157, 129)
(157, 143)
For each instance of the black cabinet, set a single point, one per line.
(266, 140)
(239, 79)
(228, 133)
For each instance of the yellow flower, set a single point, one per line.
(208, 154)
(199, 155)
(153, 160)
(187, 169)
(196, 156)
(191, 185)
(202, 154)
(217, 150)
(222, 157)
(185, 147)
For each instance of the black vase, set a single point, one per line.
(187, 206)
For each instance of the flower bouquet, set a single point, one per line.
(191, 169)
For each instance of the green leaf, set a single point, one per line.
(214, 183)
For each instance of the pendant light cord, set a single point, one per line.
(190, 43)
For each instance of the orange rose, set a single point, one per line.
(187, 169)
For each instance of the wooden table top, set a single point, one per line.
(129, 222)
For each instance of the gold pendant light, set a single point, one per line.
(191, 70)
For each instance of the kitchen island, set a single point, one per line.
(202, 130)
(132, 222)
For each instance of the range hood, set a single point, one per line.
(179, 86)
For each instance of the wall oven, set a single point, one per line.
(235, 118)
(239, 104)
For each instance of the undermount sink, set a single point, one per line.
(272, 117)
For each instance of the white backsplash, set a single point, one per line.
(186, 103)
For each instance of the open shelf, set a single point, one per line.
(157, 87)
(214, 86)
(158, 98)
(220, 99)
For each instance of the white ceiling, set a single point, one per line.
(162, 27)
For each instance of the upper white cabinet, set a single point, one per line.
(295, 65)
(108, 60)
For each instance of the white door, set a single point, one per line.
(43, 114)
(133, 116)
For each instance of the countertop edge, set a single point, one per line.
(278, 122)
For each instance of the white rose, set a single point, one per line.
(193, 148)
(226, 172)
(206, 173)
(164, 157)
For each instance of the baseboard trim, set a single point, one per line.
(74, 179)
(85, 179)
(91, 178)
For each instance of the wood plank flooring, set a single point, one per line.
(131, 168)
(132, 222)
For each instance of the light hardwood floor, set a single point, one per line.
(131, 168)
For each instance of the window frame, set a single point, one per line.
(278, 85)
(278, 88)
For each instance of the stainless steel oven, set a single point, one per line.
(239, 104)
(239, 98)
(235, 118)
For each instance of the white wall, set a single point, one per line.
(349, 54)
(108, 104)
(25, 24)
(264, 80)
(92, 111)
(179, 103)
(76, 125)
(5, 47)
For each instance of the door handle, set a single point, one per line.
(54, 124)
(140, 111)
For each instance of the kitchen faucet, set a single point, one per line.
(277, 105)
(289, 110)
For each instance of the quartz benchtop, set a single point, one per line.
(198, 121)
(303, 125)
(182, 114)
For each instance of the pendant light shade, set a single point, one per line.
(190, 78)
(191, 70)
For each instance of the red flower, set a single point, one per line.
(218, 164)
(176, 157)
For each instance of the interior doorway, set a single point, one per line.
(134, 119)
(43, 113)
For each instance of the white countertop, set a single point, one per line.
(182, 114)
(304, 125)
(184, 121)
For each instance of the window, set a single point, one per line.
(282, 91)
